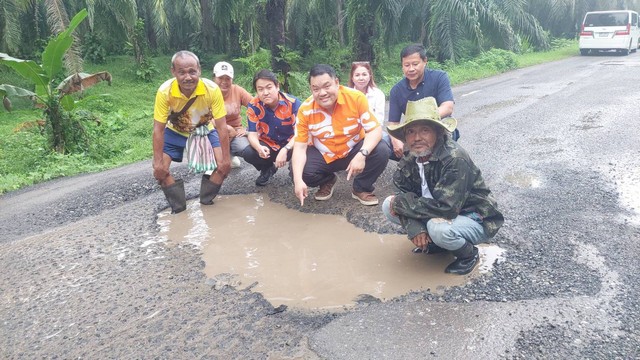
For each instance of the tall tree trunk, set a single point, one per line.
(31, 30)
(145, 13)
(275, 12)
(234, 39)
(340, 21)
(207, 26)
(364, 25)
(251, 34)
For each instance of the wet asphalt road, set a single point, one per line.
(557, 144)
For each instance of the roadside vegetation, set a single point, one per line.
(118, 119)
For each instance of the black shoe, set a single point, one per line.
(467, 258)
(265, 175)
(431, 249)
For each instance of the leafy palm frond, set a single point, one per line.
(10, 35)
(159, 19)
(449, 22)
(125, 12)
(192, 8)
(57, 17)
(522, 22)
(58, 21)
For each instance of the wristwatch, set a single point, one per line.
(364, 152)
(288, 147)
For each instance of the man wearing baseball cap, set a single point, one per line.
(443, 202)
(235, 97)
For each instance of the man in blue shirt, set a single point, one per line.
(271, 118)
(419, 82)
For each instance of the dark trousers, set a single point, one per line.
(251, 156)
(317, 172)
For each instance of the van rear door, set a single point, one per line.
(604, 25)
(606, 30)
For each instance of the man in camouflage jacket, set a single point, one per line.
(443, 202)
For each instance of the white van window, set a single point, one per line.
(607, 19)
(634, 19)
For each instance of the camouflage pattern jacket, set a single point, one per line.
(455, 183)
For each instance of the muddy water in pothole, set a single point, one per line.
(307, 260)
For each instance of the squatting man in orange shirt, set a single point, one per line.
(186, 107)
(345, 136)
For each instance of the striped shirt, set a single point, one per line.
(335, 135)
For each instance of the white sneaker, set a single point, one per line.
(235, 162)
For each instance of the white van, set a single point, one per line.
(609, 30)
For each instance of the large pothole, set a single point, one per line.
(307, 260)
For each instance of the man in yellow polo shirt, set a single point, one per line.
(192, 103)
(345, 136)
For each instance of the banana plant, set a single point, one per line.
(55, 100)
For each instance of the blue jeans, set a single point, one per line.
(448, 234)
(238, 144)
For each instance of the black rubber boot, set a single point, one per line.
(175, 196)
(466, 259)
(208, 190)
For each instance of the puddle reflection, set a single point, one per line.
(307, 260)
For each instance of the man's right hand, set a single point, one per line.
(264, 152)
(421, 240)
(160, 172)
(301, 191)
(398, 147)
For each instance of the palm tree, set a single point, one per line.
(234, 18)
(308, 27)
(156, 24)
(487, 23)
(21, 17)
(58, 20)
(277, 44)
(10, 30)
(563, 17)
(367, 16)
(184, 20)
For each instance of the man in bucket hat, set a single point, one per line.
(443, 202)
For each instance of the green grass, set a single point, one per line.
(120, 128)
(119, 118)
(474, 70)
(536, 58)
